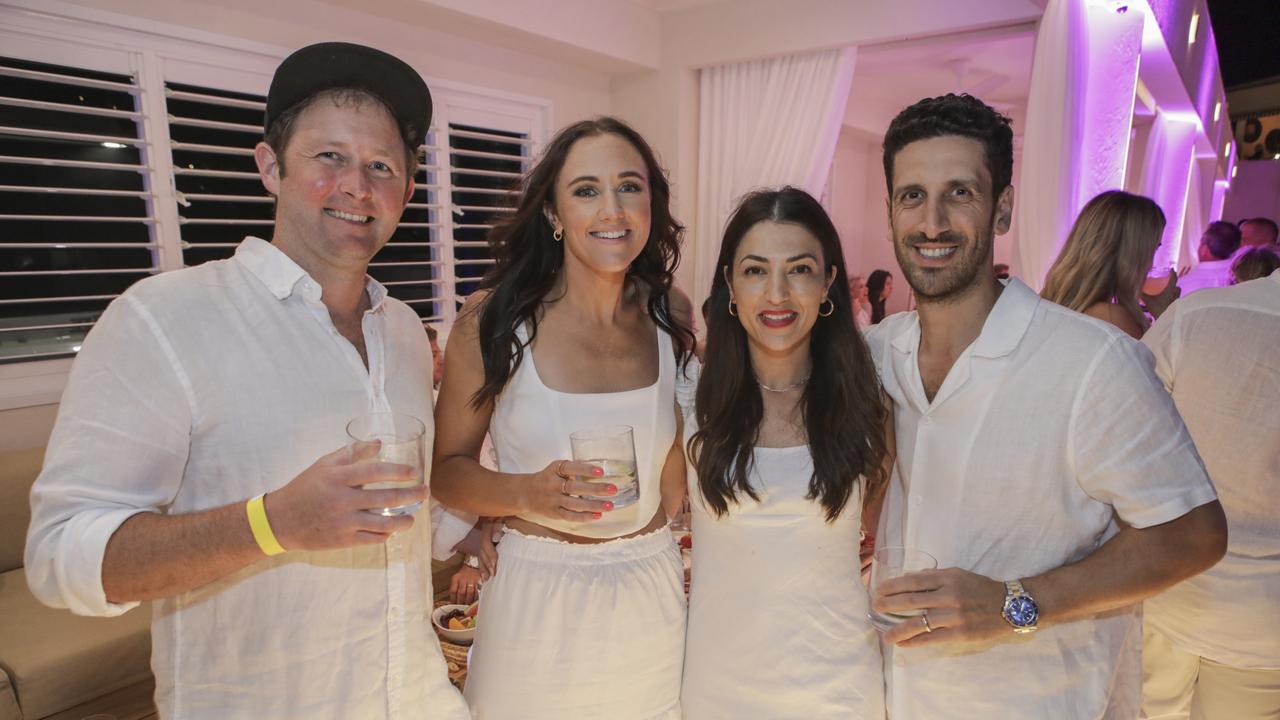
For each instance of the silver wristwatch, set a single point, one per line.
(1020, 609)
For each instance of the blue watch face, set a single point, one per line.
(1023, 611)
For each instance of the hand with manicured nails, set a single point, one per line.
(556, 492)
(327, 507)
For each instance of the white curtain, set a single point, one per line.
(1079, 114)
(763, 123)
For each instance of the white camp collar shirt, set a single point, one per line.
(1047, 424)
(1218, 352)
(1208, 274)
(208, 386)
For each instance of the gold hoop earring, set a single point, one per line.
(733, 309)
(558, 234)
(826, 299)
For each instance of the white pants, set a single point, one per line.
(1177, 685)
(580, 631)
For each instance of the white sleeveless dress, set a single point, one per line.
(582, 630)
(777, 611)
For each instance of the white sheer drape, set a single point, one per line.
(1079, 113)
(763, 123)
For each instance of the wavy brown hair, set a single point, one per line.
(528, 259)
(1107, 254)
(844, 413)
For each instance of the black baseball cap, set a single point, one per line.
(329, 65)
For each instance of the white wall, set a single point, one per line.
(860, 213)
(574, 91)
(1255, 192)
(26, 427)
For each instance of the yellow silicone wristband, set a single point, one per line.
(261, 527)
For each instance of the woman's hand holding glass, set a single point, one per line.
(557, 491)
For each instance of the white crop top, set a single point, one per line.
(531, 424)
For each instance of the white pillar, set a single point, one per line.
(1166, 177)
(1079, 113)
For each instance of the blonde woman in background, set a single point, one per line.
(1105, 261)
(861, 303)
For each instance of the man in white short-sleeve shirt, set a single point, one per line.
(1039, 459)
(199, 455)
(1218, 244)
(1213, 642)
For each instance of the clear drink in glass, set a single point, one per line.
(891, 562)
(401, 441)
(613, 450)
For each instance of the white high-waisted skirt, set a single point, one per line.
(580, 631)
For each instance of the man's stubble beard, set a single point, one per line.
(949, 284)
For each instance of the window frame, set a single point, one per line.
(56, 32)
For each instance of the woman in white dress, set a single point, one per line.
(786, 437)
(577, 327)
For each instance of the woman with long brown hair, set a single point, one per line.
(787, 436)
(576, 328)
(1105, 260)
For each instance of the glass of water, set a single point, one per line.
(400, 440)
(891, 562)
(613, 450)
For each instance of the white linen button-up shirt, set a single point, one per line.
(205, 387)
(1218, 352)
(1048, 426)
(1208, 274)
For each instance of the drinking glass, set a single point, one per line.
(401, 441)
(891, 562)
(613, 450)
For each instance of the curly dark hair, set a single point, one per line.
(528, 259)
(844, 413)
(952, 114)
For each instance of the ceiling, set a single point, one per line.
(663, 6)
(994, 65)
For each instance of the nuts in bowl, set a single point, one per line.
(456, 623)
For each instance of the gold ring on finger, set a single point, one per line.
(560, 469)
(925, 619)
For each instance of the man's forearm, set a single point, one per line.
(154, 556)
(1132, 566)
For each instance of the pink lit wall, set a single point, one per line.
(1255, 192)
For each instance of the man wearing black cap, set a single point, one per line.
(199, 455)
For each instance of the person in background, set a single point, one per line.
(786, 439)
(1254, 263)
(1259, 232)
(1001, 271)
(1039, 460)
(183, 466)
(1105, 260)
(1218, 243)
(1212, 643)
(437, 355)
(879, 288)
(861, 304)
(577, 327)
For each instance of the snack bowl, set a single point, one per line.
(439, 618)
